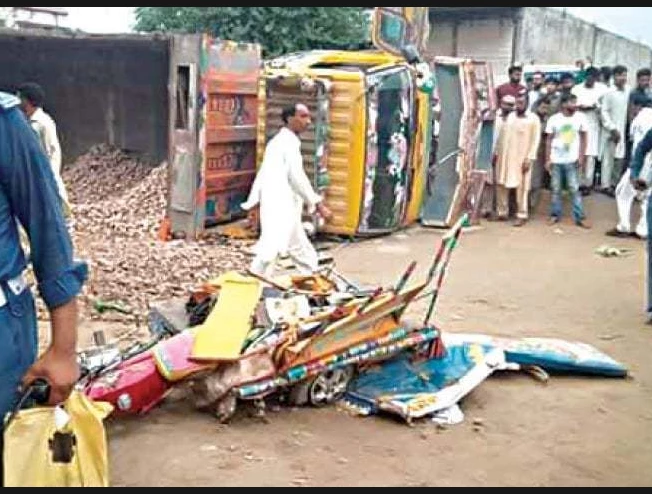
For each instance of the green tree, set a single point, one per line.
(279, 30)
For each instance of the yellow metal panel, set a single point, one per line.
(346, 143)
(307, 61)
(421, 157)
(346, 154)
(262, 122)
(222, 336)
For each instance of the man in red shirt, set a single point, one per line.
(513, 87)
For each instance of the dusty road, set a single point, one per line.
(535, 281)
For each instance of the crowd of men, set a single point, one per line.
(577, 132)
(592, 133)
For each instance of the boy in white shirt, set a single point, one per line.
(566, 143)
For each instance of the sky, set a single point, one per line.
(632, 22)
(101, 20)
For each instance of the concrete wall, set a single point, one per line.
(543, 36)
(99, 89)
(551, 36)
(548, 36)
(611, 49)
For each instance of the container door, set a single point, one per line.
(443, 189)
(184, 155)
(231, 73)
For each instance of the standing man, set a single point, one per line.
(642, 182)
(516, 157)
(32, 99)
(551, 86)
(606, 74)
(625, 192)
(507, 106)
(554, 92)
(281, 189)
(538, 89)
(514, 87)
(614, 119)
(543, 109)
(540, 177)
(643, 78)
(565, 86)
(581, 74)
(566, 83)
(28, 195)
(566, 156)
(588, 102)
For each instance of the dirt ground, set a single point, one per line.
(536, 281)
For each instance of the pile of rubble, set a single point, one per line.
(118, 205)
(135, 272)
(104, 172)
(132, 213)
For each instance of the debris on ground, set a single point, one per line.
(316, 340)
(298, 345)
(543, 355)
(610, 337)
(244, 338)
(449, 416)
(609, 251)
(431, 388)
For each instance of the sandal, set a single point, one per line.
(618, 234)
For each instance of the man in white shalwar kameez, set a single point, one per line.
(507, 106)
(32, 99)
(614, 120)
(281, 190)
(521, 136)
(626, 194)
(589, 96)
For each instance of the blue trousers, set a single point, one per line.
(570, 172)
(18, 347)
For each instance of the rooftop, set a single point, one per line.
(60, 11)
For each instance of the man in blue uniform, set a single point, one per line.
(642, 183)
(29, 196)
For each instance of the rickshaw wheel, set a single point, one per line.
(325, 389)
(225, 408)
